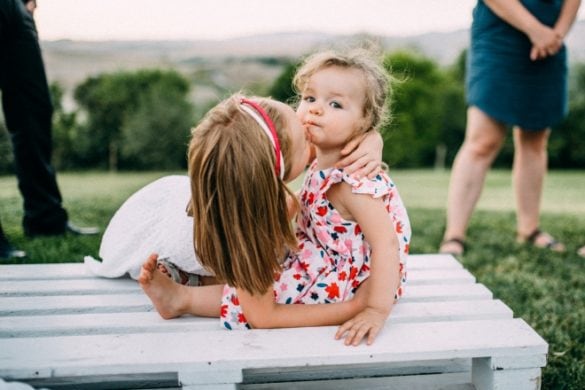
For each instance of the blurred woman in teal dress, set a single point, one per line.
(516, 76)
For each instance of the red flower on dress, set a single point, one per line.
(357, 230)
(224, 310)
(399, 227)
(235, 300)
(340, 229)
(241, 318)
(332, 291)
(342, 276)
(297, 276)
(322, 211)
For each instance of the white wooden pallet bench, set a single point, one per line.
(61, 328)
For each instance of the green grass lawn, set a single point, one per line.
(545, 289)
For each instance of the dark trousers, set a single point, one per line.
(28, 111)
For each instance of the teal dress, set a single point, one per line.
(501, 79)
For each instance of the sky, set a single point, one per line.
(220, 19)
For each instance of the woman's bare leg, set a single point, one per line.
(530, 164)
(483, 139)
(530, 167)
(174, 300)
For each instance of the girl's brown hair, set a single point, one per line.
(241, 230)
(376, 78)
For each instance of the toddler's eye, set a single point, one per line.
(309, 99)
(335, 105)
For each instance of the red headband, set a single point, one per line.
(279, 165)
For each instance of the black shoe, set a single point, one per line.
(8, 252)
(81, 231)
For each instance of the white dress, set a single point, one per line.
(152, 220)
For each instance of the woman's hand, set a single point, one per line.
(546, 42)
(368, 324)
(363, 155)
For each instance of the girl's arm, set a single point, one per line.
(384, 279)
(363, 155)
(262, 312)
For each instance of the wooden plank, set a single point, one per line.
(432, 261)
(51, 305)
(63, 271)
(439, 276)
(138, 301)
(449, 381)
(227, 352)
(439, 292)
(88, 286)
(319, 373)
(166, 381)
(69, 287)
(110, 323)
(58, 271)
(102, 323)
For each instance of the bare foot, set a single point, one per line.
(165, 294)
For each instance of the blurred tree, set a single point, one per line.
(111, 103)
(282, 89)
(64, 131)
(156, 134)
(567, 143)
(427, 109)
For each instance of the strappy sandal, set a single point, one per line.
(451, 241)
(542, 240)
(177, 274)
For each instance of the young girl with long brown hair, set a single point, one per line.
(238, 190)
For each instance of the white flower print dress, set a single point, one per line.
(333, 257)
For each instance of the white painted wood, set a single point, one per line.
(102, 323)
(449, 381)
(45, 272)
(124, 322)
(69, 287)
(87, 286)
(484, 378)
(211, 375)
(58, 304)
(439, 276)
(60, 325)
(222, 350)
(499, 363)
(79, 270)
(432, 261)
(349, 371)
(94, 302)
(439, 292)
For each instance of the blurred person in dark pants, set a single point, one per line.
(28, 111)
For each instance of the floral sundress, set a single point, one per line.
(333, 257)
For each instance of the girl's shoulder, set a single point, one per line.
(378, 186)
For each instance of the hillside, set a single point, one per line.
(216, 66)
